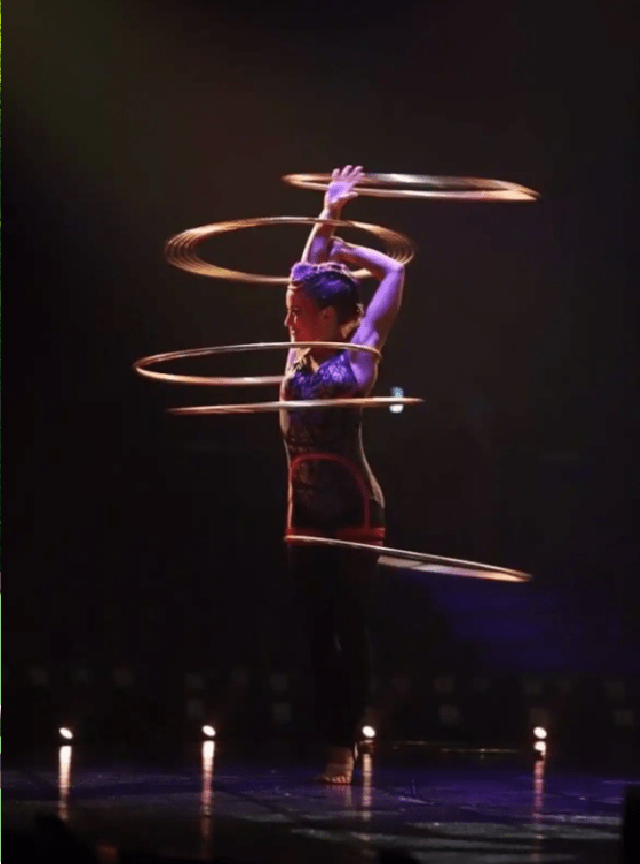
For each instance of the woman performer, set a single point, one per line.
(331, 489)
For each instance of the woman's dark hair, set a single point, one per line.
(338, 290)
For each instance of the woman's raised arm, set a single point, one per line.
(385, 304)
(340, 190)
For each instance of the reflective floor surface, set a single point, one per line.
(430, 804)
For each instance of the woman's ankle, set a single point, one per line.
(341, 754)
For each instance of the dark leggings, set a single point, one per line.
(333, 589)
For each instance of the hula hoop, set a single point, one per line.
(296, 405)
(180, 250)
(227, 381)
(431, 186)
(420, 561)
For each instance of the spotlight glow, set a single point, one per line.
(368, 732)
(397, 392)
(65, 733)
(209, 731)
(540, 732)
(540, 747)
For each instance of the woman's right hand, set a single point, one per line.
(342, 188)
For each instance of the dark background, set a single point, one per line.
(138, 538)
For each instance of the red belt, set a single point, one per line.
(356, 535)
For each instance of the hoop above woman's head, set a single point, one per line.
(424, 186)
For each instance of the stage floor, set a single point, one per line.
(434, 804)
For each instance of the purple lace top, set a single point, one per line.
(331, 486)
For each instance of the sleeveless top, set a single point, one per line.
(331, 489)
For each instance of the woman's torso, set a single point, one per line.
(331, 489)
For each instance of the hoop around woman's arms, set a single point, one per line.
(180, 250)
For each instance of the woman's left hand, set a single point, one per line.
(339, 250)
(335, 248)
(342, 187)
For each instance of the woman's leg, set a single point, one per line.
(334, 588)
(352, 591)
(310, 569)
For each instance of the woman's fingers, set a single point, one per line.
(348, 173)
(341, 187)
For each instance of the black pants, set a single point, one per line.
(332, 590)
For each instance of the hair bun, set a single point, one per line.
(302, 271)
